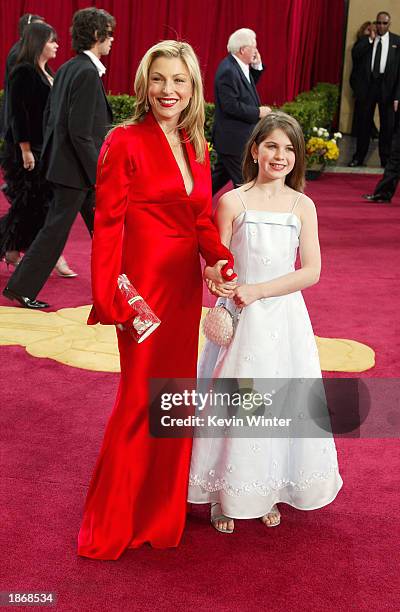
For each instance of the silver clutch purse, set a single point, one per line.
(143, 321)
(219, 325)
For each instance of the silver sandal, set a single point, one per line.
(275, 512)
(216, 515)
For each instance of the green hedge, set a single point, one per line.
(122, 107)
(317, 107)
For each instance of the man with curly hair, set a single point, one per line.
(78, 119)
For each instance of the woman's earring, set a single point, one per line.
(255, 160)
(146, 105)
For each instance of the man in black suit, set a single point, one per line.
(386, 187)
(237, 106)
(78, 119)
(377, 58)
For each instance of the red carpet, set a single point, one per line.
(358, 293)
(343, 557)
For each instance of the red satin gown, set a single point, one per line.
(149, 228)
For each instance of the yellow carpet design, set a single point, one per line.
(65, 337)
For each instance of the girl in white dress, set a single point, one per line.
(263, 222)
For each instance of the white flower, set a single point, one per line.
(337, 135)
(315, 129)
(320, 131)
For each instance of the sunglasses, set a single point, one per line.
(381, 22)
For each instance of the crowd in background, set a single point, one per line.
(375, 80)
(151, 222)
(32, 188)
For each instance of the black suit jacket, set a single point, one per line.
(361, 75)
(78, 118)
(236, 107)
(28, 92)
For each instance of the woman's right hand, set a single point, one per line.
(214, 273)
(28, 160)
(225, 289)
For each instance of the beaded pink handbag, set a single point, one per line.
(219, 325)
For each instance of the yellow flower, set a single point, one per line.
(322, 147)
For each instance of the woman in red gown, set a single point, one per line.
(153, 205)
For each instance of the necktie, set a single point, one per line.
(254, 87)
(377, 61)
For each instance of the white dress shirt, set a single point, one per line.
(385, 51)
(100, 67)
(246, 68)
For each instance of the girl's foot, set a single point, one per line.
(219, 521)
(12, 258)
(272, 518)
(63, 269)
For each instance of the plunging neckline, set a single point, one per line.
(188, 156)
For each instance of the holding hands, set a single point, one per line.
(242, 295)
(215, 282)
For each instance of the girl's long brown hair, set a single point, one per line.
(278, 121)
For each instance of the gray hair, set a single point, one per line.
(240, 38)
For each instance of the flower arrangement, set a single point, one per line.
(212, 153)
(322, 149)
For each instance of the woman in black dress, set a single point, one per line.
(27, 189)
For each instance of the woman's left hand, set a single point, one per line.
(246, 295)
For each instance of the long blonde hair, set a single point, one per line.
(193, 116)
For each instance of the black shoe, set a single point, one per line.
(26, 302)
(376, 197)
(354, 163)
